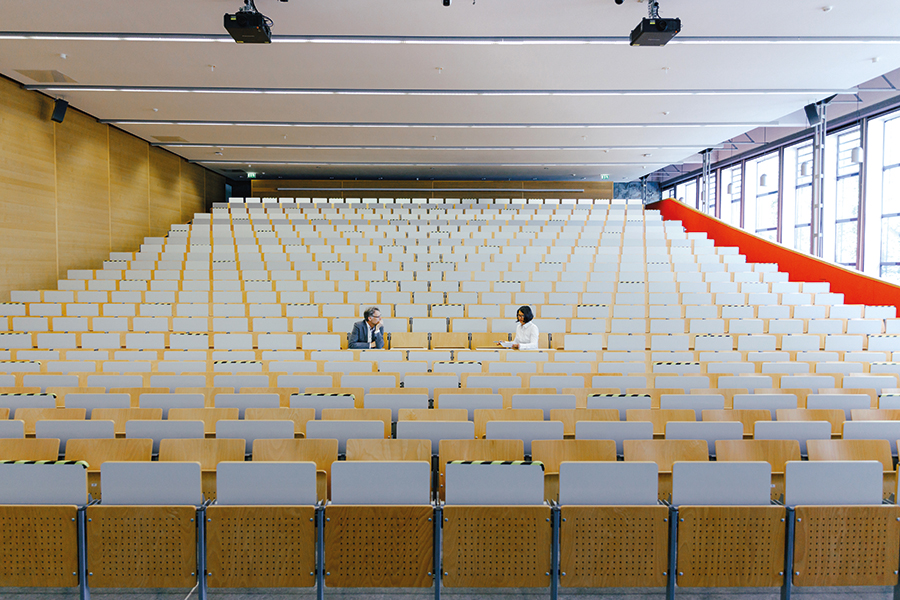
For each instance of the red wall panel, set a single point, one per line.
(857, 288)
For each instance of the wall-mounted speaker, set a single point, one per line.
(812, 114)
(59, 110)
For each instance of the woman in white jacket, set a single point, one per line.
(526, 331)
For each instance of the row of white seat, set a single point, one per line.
(632, 361)
(878, 382)
(416, 318)
(437, 431)
(777, 318)
(409, 483)
(547, 403)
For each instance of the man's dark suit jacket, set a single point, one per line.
(359, 337)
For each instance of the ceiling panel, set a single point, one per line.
(425, 73)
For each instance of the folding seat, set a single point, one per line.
(15, 401)
(874, 430)
(828, 518)
(144, 532)
(73, 429)
(618, 431)
(802, 431)
(710, 431)
(724, 512)
(396, 402)
(525, 430)
(320, 342)
(344, 430)
(389, 496)
(96, 452)
(241, 381)
(244, 401)
(843, 402)
(696, 402)
(40, 504)
(768, 402)
(507, 501)
(157, 430)
(250, 431)
(492, 382)
(665, 453)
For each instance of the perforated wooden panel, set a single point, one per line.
(38, 546)
(260, 546)
(496, 546)
(142, 546)
(613, 546)
(379, 546)
(731, 546)
(846, 545)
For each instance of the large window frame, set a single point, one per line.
(861, 200)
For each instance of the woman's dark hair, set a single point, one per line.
(527, 314)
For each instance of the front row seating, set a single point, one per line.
(153, 530)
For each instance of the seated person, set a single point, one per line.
(368, 333)
(527, 333)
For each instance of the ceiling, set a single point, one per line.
(405, 89)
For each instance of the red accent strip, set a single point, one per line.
(856, 287)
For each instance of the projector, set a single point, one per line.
(248, 27)
(655, 32)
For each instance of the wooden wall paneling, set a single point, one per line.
(215, 189)
(193, 191)
(464, 189)
(129, 181)
(425, 189)
(165, 191)
(591, 189)
(82, 179)
(27, 191)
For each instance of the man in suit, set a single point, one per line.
(368, 333)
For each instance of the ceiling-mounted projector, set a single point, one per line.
(654, 30)
(248, 25)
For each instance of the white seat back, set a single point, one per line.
(608, 483)
(494, 484)
(721, 483)
(266, 483)
(381, 482)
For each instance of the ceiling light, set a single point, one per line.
(436, 92)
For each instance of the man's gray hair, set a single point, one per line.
(370, 311)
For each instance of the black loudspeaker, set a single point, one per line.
(812, 114)
(59, 110)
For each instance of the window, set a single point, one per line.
(731, 195)
(711, 204)
(890, 202)
(797, 197)
(687, 192)
(767, 197)
(846, 198)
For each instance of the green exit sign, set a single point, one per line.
(251, 175)
(604, 177)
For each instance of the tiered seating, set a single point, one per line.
(224, 345)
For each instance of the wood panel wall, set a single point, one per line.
(331, 188)
(72, 192)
